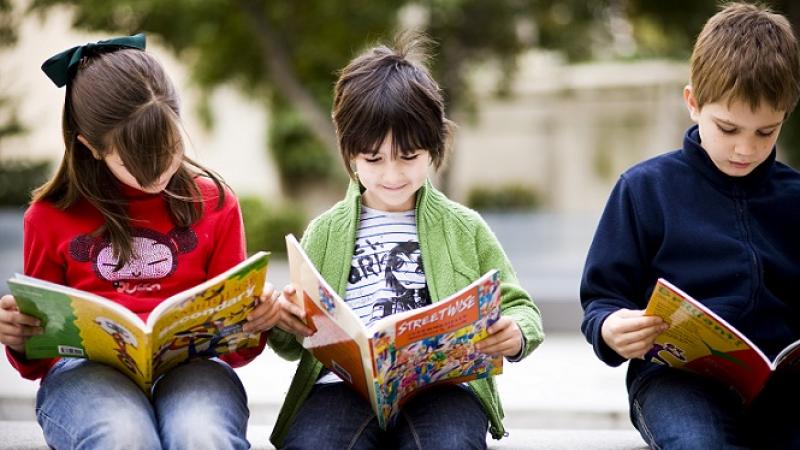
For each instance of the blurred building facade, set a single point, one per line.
(568, 131)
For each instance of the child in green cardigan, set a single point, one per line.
(396, 243)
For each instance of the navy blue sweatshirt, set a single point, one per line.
(732, 243)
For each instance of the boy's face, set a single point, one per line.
(736, 138)
(391, 183)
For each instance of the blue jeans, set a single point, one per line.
(336, 417)
(86, 405)
(680, 410)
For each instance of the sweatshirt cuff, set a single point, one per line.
(521, 353)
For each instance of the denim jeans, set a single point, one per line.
(680, 410)
(82, 404)
(336, 417)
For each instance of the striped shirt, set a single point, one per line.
(386, 273)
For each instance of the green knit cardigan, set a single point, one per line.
(457, 247)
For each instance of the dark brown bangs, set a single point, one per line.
(410, 130)
(384, 94)
(148, 142)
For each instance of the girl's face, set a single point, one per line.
(391, 183)
(117, 167)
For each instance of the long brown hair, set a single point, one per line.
(123, 101)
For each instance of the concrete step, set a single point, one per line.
(26, 435)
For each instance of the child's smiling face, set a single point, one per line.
(736, 137)
(391, 182)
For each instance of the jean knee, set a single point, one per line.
(82, 404)
(464, 440)
(198, 424)
(210, 438)
(120, 430)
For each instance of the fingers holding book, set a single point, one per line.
(292, 316)
(266, 313)
(631, 333)
(15, 327)
(505, 338)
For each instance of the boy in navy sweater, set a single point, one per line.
(719, 218)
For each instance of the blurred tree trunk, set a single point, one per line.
(276, 63)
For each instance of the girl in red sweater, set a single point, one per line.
(130, 217)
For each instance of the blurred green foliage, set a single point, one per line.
(8, 23)
(510, 197)
(266, 226)
(18, 178)
(300, 157)
(10, 124)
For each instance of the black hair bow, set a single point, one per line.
(60, 67)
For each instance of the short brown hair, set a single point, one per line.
(389, 90)
(747, 53)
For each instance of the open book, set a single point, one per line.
(700, 341)
(203, 321)
(403, 353)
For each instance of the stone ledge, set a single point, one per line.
(26, 435)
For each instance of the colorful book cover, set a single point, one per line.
(398, 356)
(700, 341)
(203, 321)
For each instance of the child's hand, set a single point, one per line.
(630, 333)
(266, 313)
(15, 327)
(292, 317)
(505, 338)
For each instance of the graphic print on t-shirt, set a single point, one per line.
(402, 271)
(387, 274)
(155, 256)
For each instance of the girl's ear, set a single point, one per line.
(94, 151)
(691, 103)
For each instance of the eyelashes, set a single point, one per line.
(733, 131)
(403, 157)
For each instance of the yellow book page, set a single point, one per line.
(109, 337)
(208, 323)
(693, 331)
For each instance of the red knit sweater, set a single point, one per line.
(59, 247)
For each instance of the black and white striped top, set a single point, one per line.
(386, 273)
